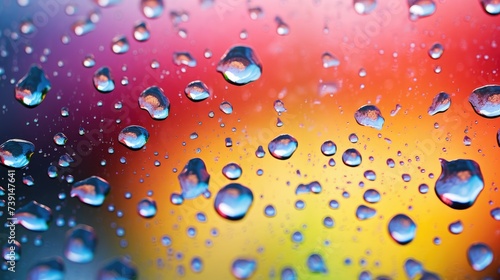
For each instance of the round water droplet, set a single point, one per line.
(492, 7)
(329, 60)
(16, 153)
(421, 8)
(486, 100)
(406, 177)
(479, 256)
(351, 157)
(289, 273)
(423, 188)
(233, 201)
(369, 115)
(141, 32)
(34, 216)
(436, 51)
(232, 171)
(80, 245)
(119, 268)
(364, 7)
(283, 146)
(402, 229)
(364, 212)
(460, 183)
(89, 61)
(120, 44)
(184, 58)
(147, 208)
(152, 8)
(240, 65)
(440, 103)
(31, 89)
(52, 268)
(297, 237)
(316, 264)
(133, 137)
(197, 91)
(154, 101)
(370, 175)
(27, 27)
(328, 148)
(194, 178)
(196, 265)
(371, 196)
(103, 81)
(328, 222)
(92, 190)
(243, 268)
(456, 227)
(226, 107)
(270, 211)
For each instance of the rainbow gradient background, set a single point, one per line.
(391, 48)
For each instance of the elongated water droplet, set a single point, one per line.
(34, 216)
(456, 227)
(486, 100)
(119, 268)
(352, 157)
(226, 107)
(492, 7)
(282, 28)
(240, 65)
(329, 60)
(436, 51)
(328, 148)
(370, 175)
(141, 32)
(194, 178)
(260, 153)
(364, 212)
(460, 183)
(421, 8)
(184, 58)
(152, 8)
(154, 101)
(133, 137)
(52, 269)
(402, 229)
(147, 208)
(120, 44)
(232, 171)
(364, 7)
(369, 115)
(31, 89)
(92, 190)
(197, 91)
(243, 268)
(196, 265)
(83, 27)
(440, 103)
(283, 146)
(16, 153)
(89, 61)
(80, 245)
(316, 264)
(479, 256)
(233, 201)
(103, 81)
(413, 268)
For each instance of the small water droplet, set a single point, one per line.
(328, 148)
(197, 91)
(270, 211)
(402, 229)
(232, 171)
(369, 115)
(440, 103)
(316, 264)
(147, 208)
(120, 45)
(260, 153)
(83, 27)
(329, 60)
(421, 8)
(103, 81)
(371, 196)
(288, 273)
(141, 32)
(413, 268)
(119, 268)
(436, 51)
(328, 88)
(364, 7)
(492, 7)
(152, 8)
(233, 201)
(154, 101)
(133, 137)
(364, 212)
(240, 65)
(495, 213)
(456, 227)
(184, 58)
(282, 28)
(52, 268)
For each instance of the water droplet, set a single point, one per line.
(364, 212)
(402, 229)
(328, 222)
(92, 190)
(16, 153)
(154, 101)
(141, 32)
(369, 115)
(233, 201)
(390, 162)
(413, 268)
(80, 245)
(120, 44)
(52, 268)
(436, 51)
(194, 179)
(243, 268)
(364, 7)
(479, 256)
(184, 58)
(297, 237)
(52, 171)
(423, 188)
(28, 180)
(328, 148)
(486, 100)
(371, 196)
(147, 208)
(260, 153)
(119, 268)
(201, 217)
(65, 160)
(152, 8)
(492, 7)
(27, 27)
(34, 216)
(133, 137)
(495, 213)
(240, 65)
(270, 211)
(456, 227)
(440, 103)
(406, 177)
(351, 157)
(196, 265)
(107, 3)
(31, 89)
(232, 171)
(329, 60)
(421, 8)
(226, 107)
(288, 273)
(316, 264)
(370, 175)
(282, 28)
(283, 146)
(103, 81)
(197, 91)
(467, 140)
(460, 183)
(279, 107)
(83, 27)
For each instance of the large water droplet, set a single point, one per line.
(31, 89)
(133, 137)
(243, 268)
(492, 7)
(120, 44)
(147, 208)
(480, 256)
(154, 101)
(402, 229)
(328, 148)
(486, 100)
(194, 179)
(364, 7)
(92, 190)
(232, 171)
(52, 269)
(460, 183)
(34, 216)
(119, 268)
(364, 212)
(421, 8)
(152, 8)
(440, 103)
(329, 60)
(16, 153)
(233, 201)
(352, 157)
(369, 115)
(103, 81)
(283, 146)
(436, 51)
(316, 264)
(81, 242)
(240, 65)
(197, 91)
(141, 32)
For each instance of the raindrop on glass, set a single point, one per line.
(283, 146)
(197, 91)
(479, 256)
(240, 65)
(16, 153)
(351, 157)
(486, 100)
(440, 103)
(233, 201)
(92, 190)
(402, 229)
(369, 115)
(194, 179)
(81, 242)
(154, 101)
(31, 89)
(103, 81)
